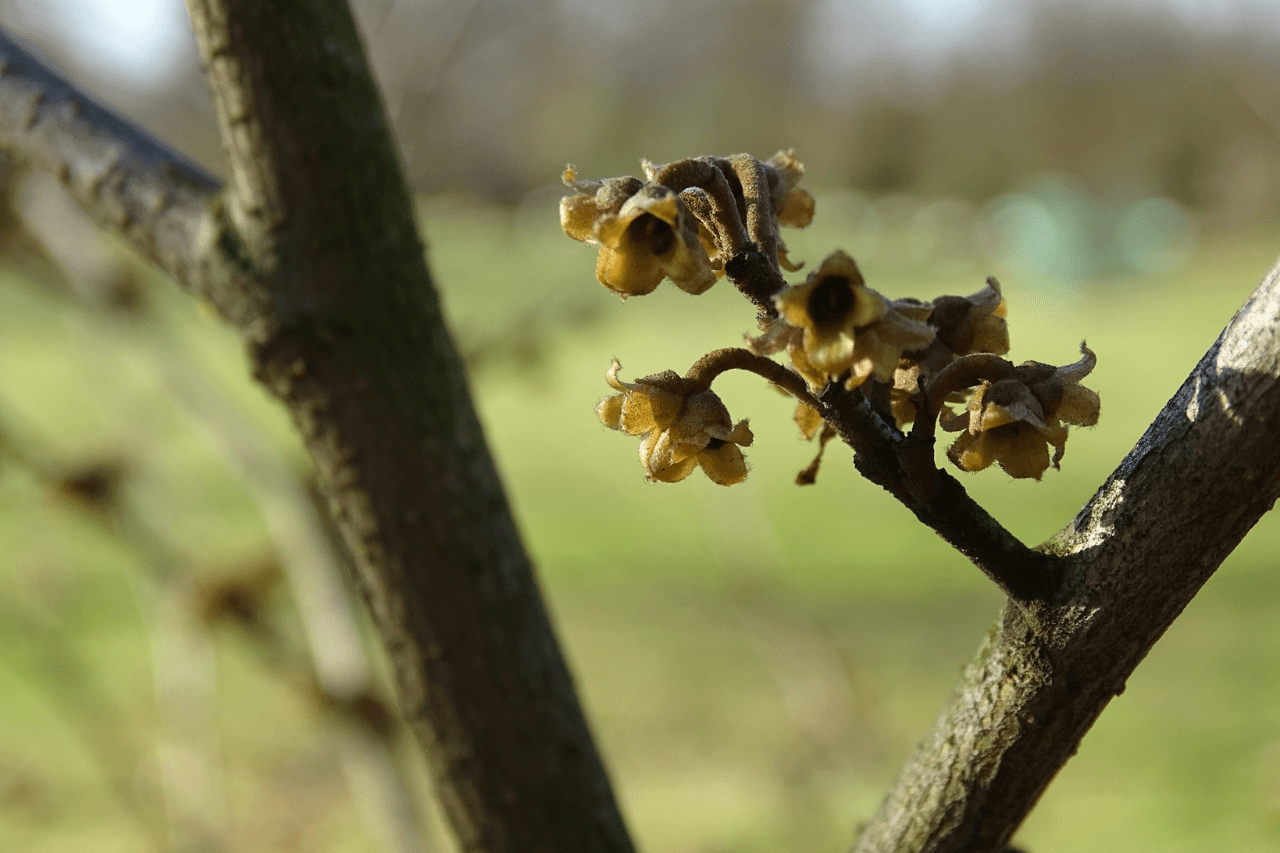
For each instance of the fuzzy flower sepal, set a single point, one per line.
(644, 233)
(1012, 422)
(792, 206)
(681, 427)
(833, 323)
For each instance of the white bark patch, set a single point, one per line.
(1099, 529)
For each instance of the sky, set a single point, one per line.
(138, 44)
(927, 36)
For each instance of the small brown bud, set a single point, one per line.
(94, 487)
(237, 596)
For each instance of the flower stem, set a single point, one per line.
(706, 369)
(706, 192)
(964, 372)
(762, 225)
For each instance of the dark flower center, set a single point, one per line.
(831, 301)
(947, 319)
(652, 233)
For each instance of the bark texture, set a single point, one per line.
(1203, 474)
(312, 252)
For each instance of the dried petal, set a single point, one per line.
(679, 426)
(610, 411)
(1014, 421)
(809, 420)
(723, 462)
(792, 206)
(644, 232)
(1080, 406)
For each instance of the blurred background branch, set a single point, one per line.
(183, 602)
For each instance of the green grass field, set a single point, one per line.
(758, 660)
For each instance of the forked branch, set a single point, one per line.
(313, 255)
(1203, 474)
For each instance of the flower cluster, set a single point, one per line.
(687, 220)
(1013, 421)
(682, 426)
(644, 232)
(697, 220)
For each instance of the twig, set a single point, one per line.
(126, 179)
(904, 467)
(706, 369)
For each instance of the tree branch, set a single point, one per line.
(126, 179)
(1203, 474)
(899, 464)
(313, 254)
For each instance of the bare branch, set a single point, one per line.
(1203, 474)
(313, 254)
(125, 178)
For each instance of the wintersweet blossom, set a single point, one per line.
(962, 325)
(644, 233)
(1012, 422)
(833, 323)
(681, 427)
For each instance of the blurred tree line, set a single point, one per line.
(493, 98)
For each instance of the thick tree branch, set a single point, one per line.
(355, 344)
(313, 254)
(1203, 474)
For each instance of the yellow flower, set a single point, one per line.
(644, 232)
(1012, 422)
(682, 427)
(976, 323)
(791, 206)
(963, 325)
(842, 325)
